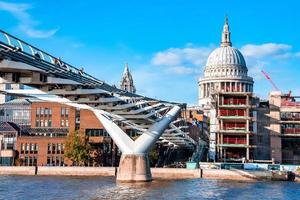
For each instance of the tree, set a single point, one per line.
(77, 149)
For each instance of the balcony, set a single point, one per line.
(234, 142)
(290, 131)
(228, 140)
(234, 130)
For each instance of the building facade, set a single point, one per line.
(284, 128)
(225, 92)
(8, 86)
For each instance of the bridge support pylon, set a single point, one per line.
(134, 164)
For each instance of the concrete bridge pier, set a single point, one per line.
(134, 168)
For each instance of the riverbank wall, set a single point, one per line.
(157, 173)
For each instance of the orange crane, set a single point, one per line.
(269, 79)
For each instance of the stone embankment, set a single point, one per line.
(157, 173)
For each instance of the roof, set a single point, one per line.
(22, 101)
(8, 127)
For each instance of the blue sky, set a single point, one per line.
(166, 43)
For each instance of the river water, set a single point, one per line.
(51, 187)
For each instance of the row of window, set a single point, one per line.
(29, 148)
(56, 148)
(43, 122)
(40, 112)
(30, 161)
(96, 132)
(55, 161)
(283, 126)
(44, 117)
(64, 111)
(290, 115)
(64, 122)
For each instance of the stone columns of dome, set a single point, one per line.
(208, 89)
(230, 86)
(244, 87)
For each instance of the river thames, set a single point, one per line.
(50, 187)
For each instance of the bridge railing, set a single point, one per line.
(20, 45)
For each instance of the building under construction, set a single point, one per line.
(225, 93)
(284, 127)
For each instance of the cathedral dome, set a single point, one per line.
(226, 60)
(224, 56)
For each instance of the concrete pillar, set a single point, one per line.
(247, 150)
(134, 168)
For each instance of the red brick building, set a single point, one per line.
(50, 124)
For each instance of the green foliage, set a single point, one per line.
(77, 149)
(153, 157)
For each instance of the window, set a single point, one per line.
(22, 148)
(67, 123)
(48, 160)
(67, 112)
(37, 111)
(63, 111)
(53, 148)
(36, 147)
(37, 123)
(62, 122)
(27, 147)
(25, 161)
(32, 147)
(62, 148)
(49, 148)
(46, 111)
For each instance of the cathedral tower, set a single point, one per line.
(127, 81)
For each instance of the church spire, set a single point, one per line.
(127, 80)
(226, 34)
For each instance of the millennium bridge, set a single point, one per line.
(53, 79)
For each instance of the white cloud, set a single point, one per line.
(169, 57)
(26, 24)
(185, 60)
(263, 50)
(181, 70)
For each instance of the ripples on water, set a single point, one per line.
(49, 187)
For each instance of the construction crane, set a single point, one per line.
(269, 79)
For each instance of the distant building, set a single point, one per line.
(197, 123)
(8, 135)
(127, 81)
(37, 132)
(284, 127)
(261, 140)
(225, 94)
(7, 86)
